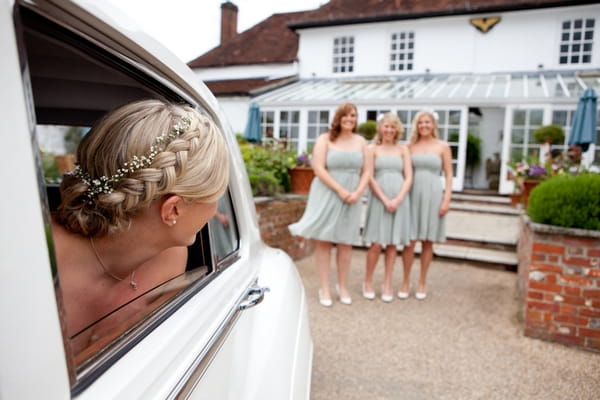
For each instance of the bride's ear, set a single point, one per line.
(170, 210)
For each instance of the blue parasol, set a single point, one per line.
(252, 132)
(583, 130)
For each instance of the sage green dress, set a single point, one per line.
(382, 226)
(426, 196)
(326, 216)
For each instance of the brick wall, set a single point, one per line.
(274, 216)
(559, 284)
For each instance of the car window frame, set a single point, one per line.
(86, 373)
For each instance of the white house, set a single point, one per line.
(497, 69)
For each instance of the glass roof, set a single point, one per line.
(459, 88)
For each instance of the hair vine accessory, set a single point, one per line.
(105, 184)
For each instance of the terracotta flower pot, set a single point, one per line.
(301, 178)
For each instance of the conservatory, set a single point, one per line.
(501, 109)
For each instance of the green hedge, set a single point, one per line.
(568, 201)
(267, 167)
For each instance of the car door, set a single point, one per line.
(65, 74)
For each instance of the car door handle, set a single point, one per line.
(255, 295)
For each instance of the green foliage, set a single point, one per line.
(50, 167)
(568, 201)
(267, 166)
(368, 129)
(553, 133)
(473, 149)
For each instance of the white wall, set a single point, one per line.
(271, 71)
(521, 41)
(236, 111)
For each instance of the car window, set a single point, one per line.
(74, 82)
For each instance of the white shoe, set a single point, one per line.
(344, 300)
(367, 295)
(420, 295)
(386, 297)
(324, 302)
(403, 295)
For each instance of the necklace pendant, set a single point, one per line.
(133, 285)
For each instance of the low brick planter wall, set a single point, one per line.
(559, 284)
(274, 216)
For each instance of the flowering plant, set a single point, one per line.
(303, 159)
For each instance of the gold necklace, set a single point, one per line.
(132, 283)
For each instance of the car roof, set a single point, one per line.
(109, 27)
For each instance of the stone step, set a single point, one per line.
(496, 257)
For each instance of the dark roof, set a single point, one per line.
(270, 41)
(237, 87)
(342, 12)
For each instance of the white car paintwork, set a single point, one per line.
(266, 355)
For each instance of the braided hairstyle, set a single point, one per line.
(193, 165)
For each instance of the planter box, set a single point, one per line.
(559, 284)
(274, 216)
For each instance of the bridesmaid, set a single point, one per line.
(388, 211)
(430, 201)
(333, 208)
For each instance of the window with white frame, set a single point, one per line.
(318, 122)
(343, 54)
(402, 47)
(289, 128)
(448, 122)
(406, 116)
(373, 115)
(522, 141)
(576, 41)
(267, 124)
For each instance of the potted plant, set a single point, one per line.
(525, 174)
(368, 129)
(546, 136)
(302, 174)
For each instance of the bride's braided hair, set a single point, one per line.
(137, 154)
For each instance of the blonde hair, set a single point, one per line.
(336, 123)
(193, 165)
(414, 133)
(392, 119)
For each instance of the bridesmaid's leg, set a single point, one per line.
(426, 256)
(344, 253)
(408, 257)
(322, 256)
(390, 259)
(372, 257)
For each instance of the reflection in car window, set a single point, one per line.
(223, 230)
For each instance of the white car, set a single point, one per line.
(207, 334)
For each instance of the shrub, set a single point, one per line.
(267, 167)
(368, 129)
(568, 201)
(552, 133)
(473, 149)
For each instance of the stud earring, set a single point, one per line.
(173, 222)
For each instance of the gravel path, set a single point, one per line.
(463, 342)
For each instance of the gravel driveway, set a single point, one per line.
(463, 342)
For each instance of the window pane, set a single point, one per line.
(518, 135)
